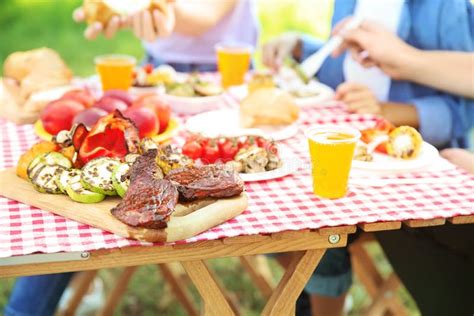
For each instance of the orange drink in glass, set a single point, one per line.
(233, 62)
(331, 149)
(115, 71)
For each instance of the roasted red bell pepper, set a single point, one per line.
(112, 136)
(382, 127)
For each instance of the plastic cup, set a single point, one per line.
(331, 150)
(233, 62)
(115, 71)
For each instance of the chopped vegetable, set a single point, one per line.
(44, 179)
(63, 177)
(97, 175)
(32, 153)
(47, 159)
(76, 191)
(120, 178)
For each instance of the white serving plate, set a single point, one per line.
(290, 164)
(227, 123)
(386, 163)
(325, 95)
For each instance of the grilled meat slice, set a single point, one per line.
(199, 182)
(149, 200)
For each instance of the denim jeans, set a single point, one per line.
(37, 295)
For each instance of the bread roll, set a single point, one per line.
(103, 10)
(268, 106)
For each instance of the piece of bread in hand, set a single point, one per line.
(268, 106)
(103, 10)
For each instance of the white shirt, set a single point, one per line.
(387, 13)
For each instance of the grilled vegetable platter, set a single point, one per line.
(108, 177)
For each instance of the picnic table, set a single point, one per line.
(283, 216)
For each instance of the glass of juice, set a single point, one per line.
(331, 149)
(233, 62)
(115, 71)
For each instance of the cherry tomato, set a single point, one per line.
(148, 68)
(229, 149)
(246, 142)
(261, 142)
(193, 150)
(384, 125)
(210, 153)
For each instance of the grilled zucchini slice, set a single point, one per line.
(45, 177)
(78, 193)
(47, 159)
(120, 179)
(97, 175)
(63, 176)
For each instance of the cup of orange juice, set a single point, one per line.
(331, 149)
(115, 71)
(233, 62)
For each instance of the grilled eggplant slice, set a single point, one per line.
(63, 176)
(76, 191)
(121, 178)
(45, 177)
(47, 159)
(97, 175)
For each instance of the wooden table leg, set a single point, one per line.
(178, 289)
(80, 285)
(213, 299)
(302, 266)
(119, 289)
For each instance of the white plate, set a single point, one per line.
(193, 105)
(227, 123)
(385, 163)
(290, 164)
(325, 94)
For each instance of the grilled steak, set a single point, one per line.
(198, 182)
(149, 200)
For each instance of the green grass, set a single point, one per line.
(27, 24)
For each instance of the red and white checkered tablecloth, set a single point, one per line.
(276, 205)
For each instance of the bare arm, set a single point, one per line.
(400, 113)
(195, 17)
(449, 71)
(371, 44)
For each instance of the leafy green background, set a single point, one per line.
(27, 24)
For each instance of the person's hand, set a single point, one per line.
(276, 50)
(95, 29)
(460, 157)
(150, 25)
(358, 98)
(371, 44)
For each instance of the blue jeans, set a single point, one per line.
(37, 295)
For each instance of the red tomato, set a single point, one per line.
(262, 142)
(58, 115)
(384, 125)
(229, 149)
(148, 68)
(210, 153)
(246, 142)
(193, 150)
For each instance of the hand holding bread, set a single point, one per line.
(149, 19)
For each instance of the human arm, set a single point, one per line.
(372, 45)
(195, 17)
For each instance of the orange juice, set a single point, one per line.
(115, 71)
(233, 62)
(331, 150)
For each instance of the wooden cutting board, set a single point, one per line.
(186, 221)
